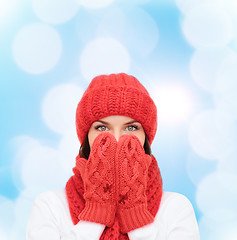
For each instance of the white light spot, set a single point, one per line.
(104, 56)
(7, 8)
(22, 209)
(37, 48)
(231, 8)
(95, 3)
(230, 233)
(224, 105)
(42, 170)
(7, 215)
(211, 229)
(112, 23)
(3, 235)
(108, 22)
(186, 5)
(225, 92)
(59, 107)
(227, 171)
(208, 26)
(55, 11)
(205, 64)
(212, 134)
(140, 33)
(214, 200)
(173, 103)
(205, 226)
(69, 148)
(21, 144)
(227, 79)
(230, 5)
(198, 168)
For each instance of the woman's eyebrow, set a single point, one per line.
(134, 121)
(101, 121)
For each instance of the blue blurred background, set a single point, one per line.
(184, 53)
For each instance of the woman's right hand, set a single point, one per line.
(98, 174)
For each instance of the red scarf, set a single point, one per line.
(75, 191)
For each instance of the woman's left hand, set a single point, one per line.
(132, 172)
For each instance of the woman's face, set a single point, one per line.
(117, 126)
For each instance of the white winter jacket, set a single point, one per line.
(50, 220)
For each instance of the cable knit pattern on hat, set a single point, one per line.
(116, 94)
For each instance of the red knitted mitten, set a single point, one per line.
(98, 173)
(132, 167)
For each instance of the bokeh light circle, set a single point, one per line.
(231, 8)
(208, 26)
(212, 134)
(227, 171)
(227, 78)
(22, 144)
(214, 200)
(140, 32)
(112, 23)
(104, 56)
(7, 215)
(8, 8)
(173, 103)
(106, 23)
(55, 11)
(94, 3)
(198, 167)
(211, 229)
(59, 107)
(69, 148)
(41, 169)
(37, 48)
(3, 234)
(22, 210)
(205, 64)
(224, 95)
(230, 232)
(224, 105)
(186, 5)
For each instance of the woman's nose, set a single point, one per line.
(117, 135)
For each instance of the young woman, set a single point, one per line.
(116, 190)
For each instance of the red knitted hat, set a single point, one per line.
(116, 94)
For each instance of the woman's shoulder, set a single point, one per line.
(174, 203)
(174, 198)
(53, 195)
(175, 208)
(52, 205)
(174, 219)
(53, 200)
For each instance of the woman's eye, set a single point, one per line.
(131, 128)
(101, 128)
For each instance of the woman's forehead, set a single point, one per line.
(116, 118)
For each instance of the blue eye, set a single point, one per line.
(132, 128)
(101, 128)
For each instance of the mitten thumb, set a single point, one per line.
(80, 165)
(148, 160)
